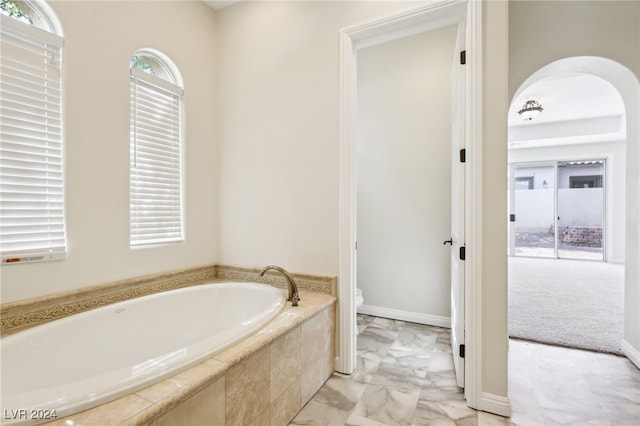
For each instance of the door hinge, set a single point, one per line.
(462, 253)
(463, 57)
(356, 245)
(512, 218)
(463, 155)
(461, 351)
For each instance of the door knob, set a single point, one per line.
(449, 241)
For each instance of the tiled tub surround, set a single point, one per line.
(264, 379)
(16, 316)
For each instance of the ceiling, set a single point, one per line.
(577, 107)
(219, 4)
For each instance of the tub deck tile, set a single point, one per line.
(171, 391)
(310, 304)
(286, 405)
(111, 413)
(285, 362)
(247, 389)
(204, 408)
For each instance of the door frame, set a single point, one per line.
(398, 25)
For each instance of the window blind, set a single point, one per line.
(31, 147)
(155, 170)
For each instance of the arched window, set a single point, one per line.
(31, 145)
(156, 150)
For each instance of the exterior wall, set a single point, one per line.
(100, 38)
(581, 236)
(540, 175)
(565, 174)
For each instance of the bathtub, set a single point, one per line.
(84, 360)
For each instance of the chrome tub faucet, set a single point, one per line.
(293, 288)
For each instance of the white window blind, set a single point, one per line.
(31, 147)
(155, 172)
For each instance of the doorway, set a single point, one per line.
(403, 170)
(433, 16)
(558, 209)
(567, 205)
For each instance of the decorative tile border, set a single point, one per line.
(17, 316)
(23, 314)
(317, 283)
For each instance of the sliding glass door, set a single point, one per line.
(534, 210)
(581, 210)
(557, 210)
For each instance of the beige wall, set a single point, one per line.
(279, 114)
(403, 167)
(541, 32)
(100, 37)
(494, 198)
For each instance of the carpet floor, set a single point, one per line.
(576, 304)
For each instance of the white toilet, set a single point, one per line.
(359, 301)
(359, 298)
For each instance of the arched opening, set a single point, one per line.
(597, 135)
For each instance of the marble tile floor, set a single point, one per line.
(405, 376)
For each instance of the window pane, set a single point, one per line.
(24, 11)
(151, 66)
(31, 146)
(155, 169)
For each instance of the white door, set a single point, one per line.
(457, 216)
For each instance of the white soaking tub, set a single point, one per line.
(81, 361)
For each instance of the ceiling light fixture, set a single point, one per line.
(530, 110)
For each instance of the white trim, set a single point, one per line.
(430, 16)
(158, 82)
(630, 352)
(417, 317)
(408, 23)
(495, 404)
(167, 62)
(50, 16)
(31, 31)
(473, 206)
(346, 359)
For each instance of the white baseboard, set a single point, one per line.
(416, 317)
(495, 404)
(630, 352)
